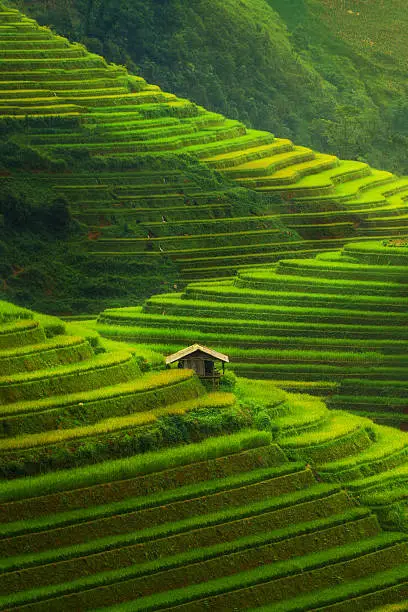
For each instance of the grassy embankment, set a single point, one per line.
(333, 326)
(113, 520)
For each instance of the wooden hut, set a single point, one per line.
(200, 359)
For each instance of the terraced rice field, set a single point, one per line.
(287, 512)
(278, 517)
(65, 399)
(146, 198)
(333, 326)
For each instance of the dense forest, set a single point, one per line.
(316, 72)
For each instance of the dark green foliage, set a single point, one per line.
(45, 265)
(274, 64)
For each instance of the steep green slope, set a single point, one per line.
(156, 184)
(68, 399)
(254, 518)
(326, 74)
(331, 325)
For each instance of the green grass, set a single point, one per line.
(119, 469)
(298, 503)
(63, 519)
(105, 368)
(214, 400)
(61, 351)
(264, 574)
(10, 311)
(337, 425)
(377, 585)
(152, 381)
(273, 539)
(304, 322)
(389, 449)
(302, 412)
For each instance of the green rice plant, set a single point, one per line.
(54, 74)
(17, 325)
(376, 253)
(313, 372)
(106, 368)
(148, 359)
(253, 258)
(386, 480)
(382, 388)
(250, 153)
(120, 436)
(128, 468)
(396, 607)
(227, 587)
(218, 557)
(391, 418)
(231, 334)
(213, 400)
(260, 393)
(319, 388)
(20, 333)
(79, 409)
(339, 424)
(236, 332)
(381, 499)
(56, 42)
(251, 138)
(368, 591)
(345, 316)
(110, 558)
(149, 382)
(236, 294)
(9, 312)
(223, 243)
(335, 269)
(342, 444)
(288, 477)
(174, 477)
(269, 280)
(313, 356)
(300, 504)
(375, 405)
(52, 325)
(388, 450)
(67, 349)
(40, 54)
(293, 173)
(86, 61)
(269, 165)
(303, 413)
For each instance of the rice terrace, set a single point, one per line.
(203, 325)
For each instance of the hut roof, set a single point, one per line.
(192, 349)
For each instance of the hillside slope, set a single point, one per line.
(322, 73)
(263, 499)
(161, 190)
(333, 326)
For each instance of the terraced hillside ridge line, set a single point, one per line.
(137, 169)
(66, 398)
(190, 534)
(334, 325)
(262, 496)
